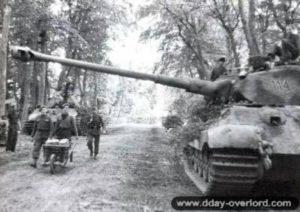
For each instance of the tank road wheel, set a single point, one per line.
(206, 165)
(225, 171)
(66, 158)
(52, 163)
(71, 156)
(191, 158)
(196, 161)
(201, 166)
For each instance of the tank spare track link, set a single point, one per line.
(223, 172)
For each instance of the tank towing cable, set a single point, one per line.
(265, 149)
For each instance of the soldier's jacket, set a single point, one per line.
(288, 48)
(94, 126)
(66, 123)
(43, 126)
(258, 63)
(65, 127)
(217, 72)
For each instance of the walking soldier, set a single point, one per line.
(42, 130)
(219, 69)
(65, 126)
(94, 130)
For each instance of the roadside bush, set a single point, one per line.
(172, 121)
(200, 116)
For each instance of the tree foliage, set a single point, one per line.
(77, 29)
(184, 37)
(193, 34)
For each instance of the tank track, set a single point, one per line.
(223, 172)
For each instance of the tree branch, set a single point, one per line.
(279, 24)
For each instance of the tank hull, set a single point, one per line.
(245, 147)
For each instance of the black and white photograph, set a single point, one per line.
(149, 105)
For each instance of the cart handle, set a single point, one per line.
(74, 146)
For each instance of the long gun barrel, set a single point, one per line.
(191, 85)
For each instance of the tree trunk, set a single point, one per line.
(201, 69)
(27, 93)
(248, 27)
(83, 89)
(66, 70)
(3, 55)
(252, 27)
(34, 84)
(95, 94)
(1, 11)
(42, 69)
(234, 49)
(264, 43)
(47, 89)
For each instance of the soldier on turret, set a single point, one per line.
(219, 70)
(288, 50)
(262, 63)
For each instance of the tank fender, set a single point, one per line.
(233, 136)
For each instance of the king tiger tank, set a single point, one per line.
(254, 139)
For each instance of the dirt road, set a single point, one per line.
(136, 171)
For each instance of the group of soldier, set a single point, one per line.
(64, 127)
(287, 51)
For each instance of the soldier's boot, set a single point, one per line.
(95, 157)
(91, 154)
(34, 163)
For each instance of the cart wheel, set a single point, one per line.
(66, 158)
(71, 156)
(52, 165)
(65, 162)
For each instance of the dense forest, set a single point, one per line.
(192, 36)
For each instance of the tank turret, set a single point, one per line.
(278, 86)
(248, 143)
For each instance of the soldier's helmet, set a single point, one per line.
(43, 109)
(222, 59)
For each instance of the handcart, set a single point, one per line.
(57, 153)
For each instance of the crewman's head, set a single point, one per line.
(221, 60)
(43, 109)
(292, 29)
